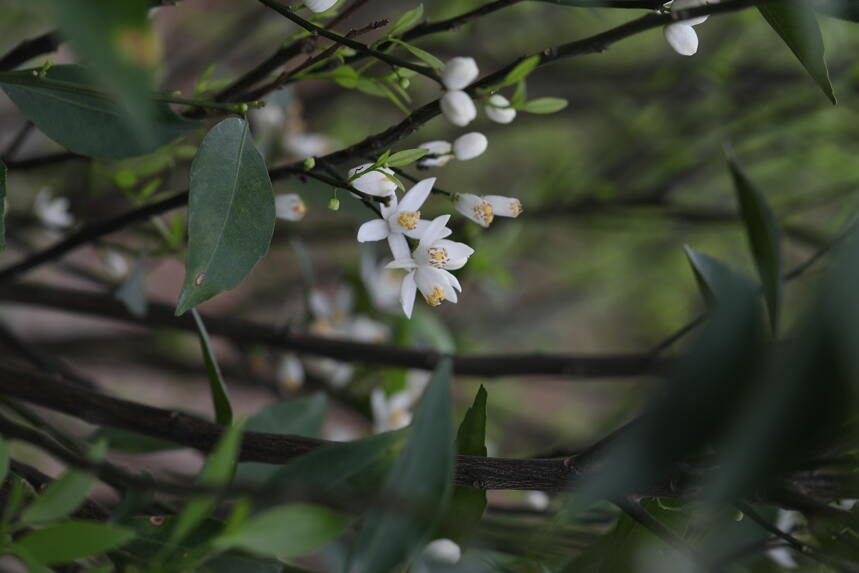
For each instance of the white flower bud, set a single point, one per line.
(537, 500)
(115, 265)
(443, 551)
(290, 373)
(440, 148)
(469, 146)
(458, 73)
(504, 206)
(475, 208)
(319, 6)
(458, 108)
(497, 109)
(289, 207)
(682, 38)
(53, 212)
(377, 182)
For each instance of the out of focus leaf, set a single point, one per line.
(236, 562)
(796, 23)
(132, 293)
(60, 498)
(844, 9)
(4, 459)
(90, 125)
(217, 386)
(544, 105)
(230, 213)
(2, 205)
(420, 476)
(708, 274)
(131, 442)
(407, 20)
(72, 540)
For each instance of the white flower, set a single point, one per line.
(115, 264)
(331, 308)
(304, 145)
(268, 119)
(428, 267)
(319, 6)
(537, 500)
(383, 285)
(470, 145)
(443, 151)
(378, 182)
(290, 372)
(459, 73)
(52, 212)
(365, 329)
(390, 412)
(504, 206)
(289, 207)
(498, 111)
(786, 521)
(475, 208)
(443, 551)
(458, 108)
(680, 35)
(400, 220)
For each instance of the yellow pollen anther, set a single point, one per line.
(397, 419)
(436, 297)
(438, 256)
(483, 213)
(517, 208)
(409, 219)
(299, 208)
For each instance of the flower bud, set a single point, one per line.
(290, 373)
(405, 83)
(319, 6)
(682, 38)
(309, 163)
(504, 206)
(443, 551)
(334, 204)
(442, 149)
(458, 73)
(378, 182)
(458, 108)
(497, 109)
(469, 146)
(475, 208)
(289, 207)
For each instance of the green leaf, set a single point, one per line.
(4, 459)
(72, 540)
(59, 499)
(406, 157)
(709, 274)
(420, 54)
(287, 531)
(235, 562)
(153, 534)
(763, 233)
(132, 293)
(2, 205)
(346, 77)
(300, 417)
(230, 213)
(217, 387)
(468, 504)
(796, 23)
(420, 480)
(544, 105)
(91, 125)
(408, 20)
(521, 71)
(843, 9)
(131, 442)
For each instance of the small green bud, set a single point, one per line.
(309, 163)
(404, 83)
(334, 204)
(738, 516)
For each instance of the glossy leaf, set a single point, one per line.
(763, 234)
(217, 386)
(59, 499)
(405, 157)
(132, 293)
(709, 274)
(72, 540)
(230, 213)
(287, 531)
(91, 125)
(420, 480)
(796, 23)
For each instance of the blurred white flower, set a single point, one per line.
(469, 145)
(365, 329)
(537, 500)
(680, 35)
(341, 433)
(115, 264)
(289, 207)
(443, 551)
(268, 119)
(458, 73)
(319, 6)
(377, 182)
(52, 212)
(290, 372)
(442, 150)
(498, 111)
(390, 412)
(331, 308)
(382, 284)
(304, 145)
(786, 521)
(475, 208)
(458, 108)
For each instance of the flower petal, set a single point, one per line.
(408, 290)
(374, 230)
(470, 145)
(504, 206)
(682, 38)
(497, 110)
(416, 196)
(433, 232)
(455, 249)
(399, 246)
(459, 72)
(458, 108)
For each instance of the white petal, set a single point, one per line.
(319, 6)
(290, 372)
(459, 72)
(433, 232)
(498, 111)
(408, 263)
(470, 145)
(682, 38)
(399, 246)
(377, 182)
(416, 196)
(408, 290)
(455, 249)
(454, 282)
(443, 551)
(475, 208)
(458, 108)
(320, 304)
(428, 279)
(504, 206)
(440, 148)
(289, 207)
(374, 230)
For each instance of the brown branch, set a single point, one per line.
(29, 49)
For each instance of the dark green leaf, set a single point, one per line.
(217, 387)
(91, 125)
(72, 540)
(4, 459)
(132, 293)
(2, 205)
(844, 9)
(230, 213)
(796, 23)
(405, 157)
(235, 562)
(420, 480)
(709, 274)
(408, 20)
(420, 54)
(153, 534)
(764, 238)
(287, 531)
(544, 105)
(60, 498)
(521, 71)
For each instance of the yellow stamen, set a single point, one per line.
(397, 419)
(483, 214)
(409, 219)
(436, 297)
(299, 208)
(517, 208)
(438, 256)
